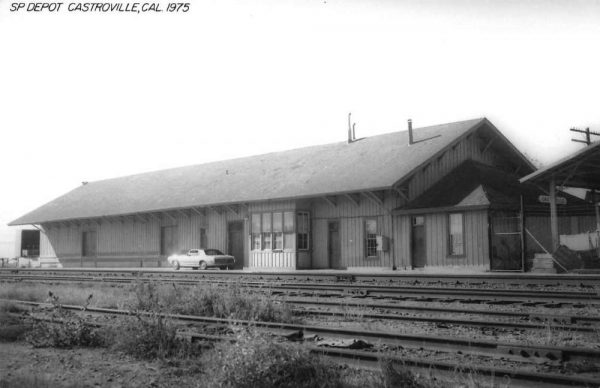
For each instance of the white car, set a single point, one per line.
(201, 258)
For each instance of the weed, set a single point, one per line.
(151, 336)
(255, 360)
(34, 381)
(64, 330)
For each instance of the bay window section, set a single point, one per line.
(278, 231)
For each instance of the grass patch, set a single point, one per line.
(256, 360)
(34, 381)
(108, 296)
(232, 302)
(65, 330)
(150, 337)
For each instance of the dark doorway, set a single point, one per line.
(203, 241)
(334, 250)
(419, 254)
(235, 242)
(88, 244)
(30, 243)
(168, 240)
(506, 242)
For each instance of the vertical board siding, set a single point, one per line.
(436, 244)
(351, 218)
(468, 148)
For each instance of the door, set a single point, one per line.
(168, 241)
(419, 254)
(88, 246)
(235, 242)
(506, 242)
(334, 250)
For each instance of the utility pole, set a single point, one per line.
(587, 133)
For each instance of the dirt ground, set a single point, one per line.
(21, 365)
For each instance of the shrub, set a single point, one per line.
(231, 302)
(256, 361)
(150, 336)
(64, 330)
(397, 375)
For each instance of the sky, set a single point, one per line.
(90, 96)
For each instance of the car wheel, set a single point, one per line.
(175, 265)
(203, 265)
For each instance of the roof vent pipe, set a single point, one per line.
(410, 132)
(350, 137)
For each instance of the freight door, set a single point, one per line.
(419, 256)
(333, 245)
(168, 240)
(235, 242)
(506, 242)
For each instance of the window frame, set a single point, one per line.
(307, 232)
(274, 233)
(253, 232)
(367, 238)
(449, 235)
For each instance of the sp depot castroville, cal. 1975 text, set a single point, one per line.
(100, 7)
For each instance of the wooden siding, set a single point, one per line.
(133, 242)
(351, 218)
(436, 235)
(468, 148)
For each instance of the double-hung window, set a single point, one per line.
(456, 238)
(277, 231)
(303, 226)
(371, 237)
(267, 232)
(256, 232)
(288, 230)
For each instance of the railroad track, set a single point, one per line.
(552, 299)
(510, 279)
(561, 319)
(523, 354)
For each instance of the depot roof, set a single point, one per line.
(373, 163)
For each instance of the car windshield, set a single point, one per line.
(183, 251)
(213, 252)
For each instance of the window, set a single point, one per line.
(456, 234)
(256, 231)
(303, 225)
(267, 237)
(280, 230)
(277, 231)
(371, 237)
(288, 230)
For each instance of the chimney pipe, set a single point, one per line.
(410, 132)
(349, 129)
(353, 133)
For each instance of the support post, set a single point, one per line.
(523, 239)
(553, 215)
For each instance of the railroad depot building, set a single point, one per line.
(445, 195)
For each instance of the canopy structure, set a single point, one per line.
(579, 170)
